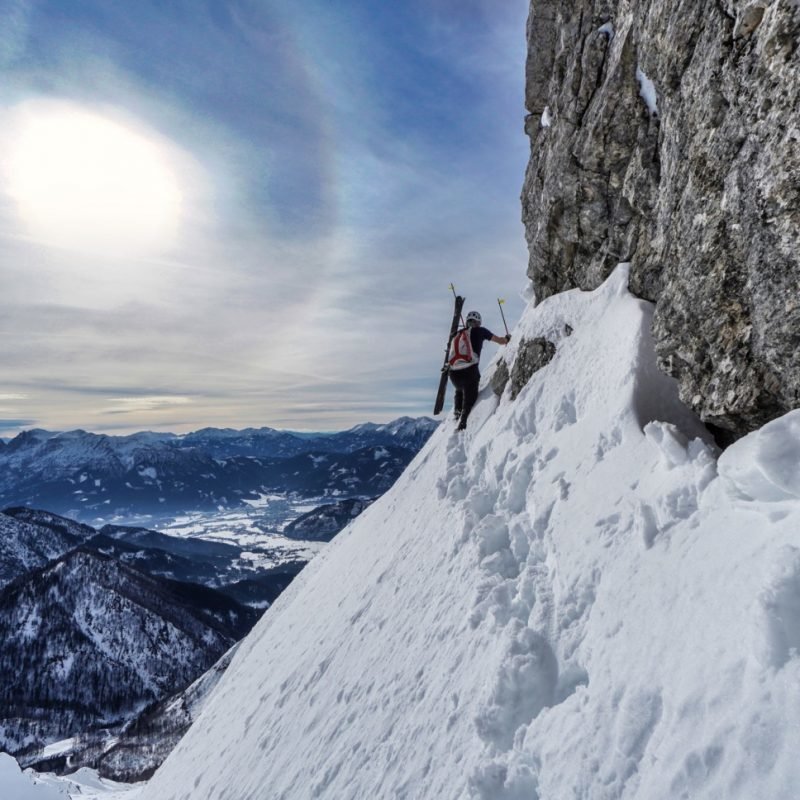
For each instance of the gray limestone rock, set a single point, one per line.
(500, 378)
(533, 354)
(668, 135)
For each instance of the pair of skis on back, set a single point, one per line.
(458, 308)
(459, 305)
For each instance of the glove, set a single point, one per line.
(508, 338)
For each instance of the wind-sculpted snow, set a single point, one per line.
(565, 602)
(765, 466)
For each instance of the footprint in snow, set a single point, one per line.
(777, 621)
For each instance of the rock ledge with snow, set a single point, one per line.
(666, 134)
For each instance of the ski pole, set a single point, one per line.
(453, 290)
(505, 325)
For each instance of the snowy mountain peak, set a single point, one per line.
(28, 438)
(398, 426)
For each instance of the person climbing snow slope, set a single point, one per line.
(465, 354)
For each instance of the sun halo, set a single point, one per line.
(84, 181)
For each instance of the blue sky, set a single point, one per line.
(336, 166)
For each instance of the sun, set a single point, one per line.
(82, 180)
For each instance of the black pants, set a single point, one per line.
(466, 382)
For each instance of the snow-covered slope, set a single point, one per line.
(88, 642)
(573, 600)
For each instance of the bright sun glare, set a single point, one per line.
(85, 181)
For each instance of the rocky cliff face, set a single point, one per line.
(668, 135)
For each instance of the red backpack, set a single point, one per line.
(461, 353)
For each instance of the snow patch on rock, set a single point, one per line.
(647, 91)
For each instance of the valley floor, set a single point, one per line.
(84, 784)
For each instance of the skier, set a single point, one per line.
(465, 353)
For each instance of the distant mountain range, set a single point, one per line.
(100, 478)
(31, 539)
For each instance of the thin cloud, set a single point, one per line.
(14, 26)
(13, 424)
(134, 405)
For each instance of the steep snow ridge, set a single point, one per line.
(565, 602)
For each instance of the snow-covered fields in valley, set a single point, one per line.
(86, 785)
(254, 528)
(24, 786)
(575, 599)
